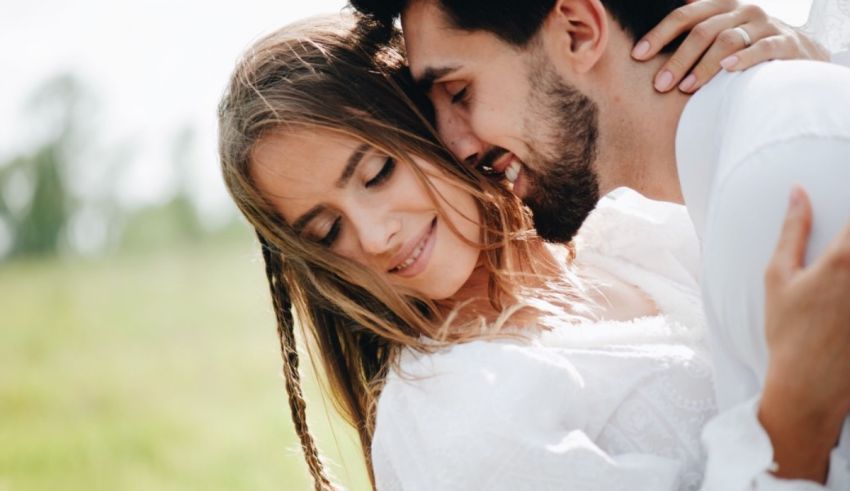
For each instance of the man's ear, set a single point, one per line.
(577, 32)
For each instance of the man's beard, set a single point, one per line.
(563, 129)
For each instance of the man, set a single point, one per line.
(545, 92)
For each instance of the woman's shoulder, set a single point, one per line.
(478, 382)
(625, 219)
(655, 236)
(484, 365)
(463, 409)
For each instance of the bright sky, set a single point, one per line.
(155, 68)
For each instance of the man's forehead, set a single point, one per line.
(427, 36)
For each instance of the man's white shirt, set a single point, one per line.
(743, 141)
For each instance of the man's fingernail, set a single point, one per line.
(688, 83)
(641, 49)
(663, 81)
(796, 197)
(729, 62)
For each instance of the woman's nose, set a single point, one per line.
(378, 231)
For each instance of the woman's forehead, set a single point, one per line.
(296, 169)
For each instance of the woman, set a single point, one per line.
(437, 315)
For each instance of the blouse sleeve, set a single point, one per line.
(498, 416)
(740, 455)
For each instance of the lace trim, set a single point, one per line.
(829, 24)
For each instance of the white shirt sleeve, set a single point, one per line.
(747, 209)
(499, 416)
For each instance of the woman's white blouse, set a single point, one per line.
(605, 405)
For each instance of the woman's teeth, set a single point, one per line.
(413, 257)
(512, 172)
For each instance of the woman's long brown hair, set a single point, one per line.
(349, 77)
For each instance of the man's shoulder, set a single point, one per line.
(783, 100)
(781, 81)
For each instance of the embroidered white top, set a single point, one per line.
(604, 405)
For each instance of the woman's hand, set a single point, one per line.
(714, 42)
(807, 326)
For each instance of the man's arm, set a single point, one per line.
(805, 365)
(804, 306)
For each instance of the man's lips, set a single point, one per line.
(503, 162)
(410, 247)
(500, 163)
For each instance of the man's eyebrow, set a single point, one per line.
(350, 166)
(431, 74)
(304, 219)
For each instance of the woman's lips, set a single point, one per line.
(417, 260)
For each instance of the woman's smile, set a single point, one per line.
(402, 219)
(415, 256)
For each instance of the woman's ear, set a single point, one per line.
(576, 32)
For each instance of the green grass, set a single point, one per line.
(151, 372)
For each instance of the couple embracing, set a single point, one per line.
(439, 212)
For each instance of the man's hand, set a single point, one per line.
(807, 326)
(713, 43)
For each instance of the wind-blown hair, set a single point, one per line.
(349, 77)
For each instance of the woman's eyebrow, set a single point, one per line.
(350, 166)
(304, 219)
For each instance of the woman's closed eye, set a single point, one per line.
(386, 171)
(384, 174)
(330, 237)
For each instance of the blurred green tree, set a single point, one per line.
(36, 202)
(176, 220)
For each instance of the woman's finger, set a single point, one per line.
(793, 239)
(770, 48)
(678, 22)
(692, 49)
(728, 43)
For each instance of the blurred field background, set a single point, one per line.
(137, 342)
(154, 371)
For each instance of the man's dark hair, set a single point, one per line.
(516, 22)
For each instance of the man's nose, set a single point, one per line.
(457, 135)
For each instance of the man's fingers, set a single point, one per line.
(677, 22)
(793, 239)
(837, 255)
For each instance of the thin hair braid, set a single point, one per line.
(286, 333)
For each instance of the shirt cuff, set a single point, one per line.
(740, 455)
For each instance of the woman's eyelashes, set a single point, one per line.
(329, 238)
(381, 177)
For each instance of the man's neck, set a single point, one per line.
(637, 127)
